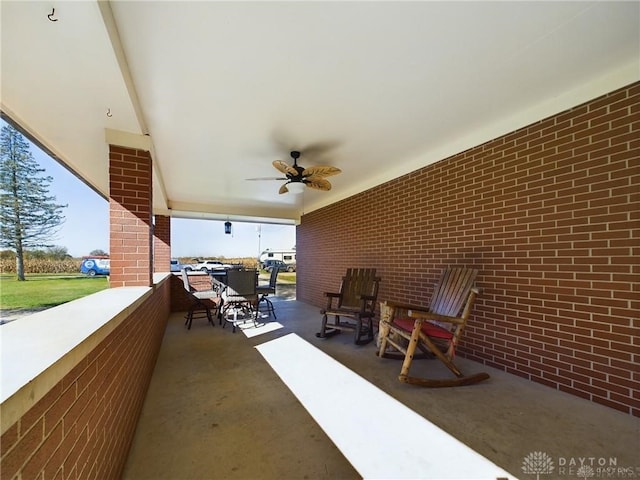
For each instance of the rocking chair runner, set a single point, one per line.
(435, 330)
(356, 300)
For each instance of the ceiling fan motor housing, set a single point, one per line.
(296, 178)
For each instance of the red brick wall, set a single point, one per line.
(162, 244)
(549, 214)
(130, 210)
(84, 426)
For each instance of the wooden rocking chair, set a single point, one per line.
(435, 330)
(356, 300)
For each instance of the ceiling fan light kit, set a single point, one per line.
(296, 187)
(298, 177)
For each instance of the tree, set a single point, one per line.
(29, 216)
(98, 253)
(58, 252)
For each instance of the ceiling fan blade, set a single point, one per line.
(284, 141)
(318, 148)
(267, 178)
(283, 189)
(318, 183)
(320, 171)
(284, 167)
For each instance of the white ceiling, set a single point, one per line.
(218, 90)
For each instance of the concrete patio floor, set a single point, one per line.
(217, 410)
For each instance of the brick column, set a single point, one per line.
(130, 214)
(162, 244)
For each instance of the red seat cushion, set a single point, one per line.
(428, 329)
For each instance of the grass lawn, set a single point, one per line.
(45, 291)
(287, 277)
(283, 277)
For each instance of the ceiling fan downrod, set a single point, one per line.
(295, 155)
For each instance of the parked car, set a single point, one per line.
(176, 266)
(208, 266)
(284, 267)
(93, 266)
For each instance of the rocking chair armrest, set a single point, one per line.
(367, 305)
(366, 301)
(332, 294)
(423, 315)
(367, 297)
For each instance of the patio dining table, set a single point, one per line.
(236, 298)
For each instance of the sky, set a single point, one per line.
(86, 226)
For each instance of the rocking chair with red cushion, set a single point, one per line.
(435, 330)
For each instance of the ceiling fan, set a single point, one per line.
(297, 177)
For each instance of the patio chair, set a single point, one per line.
(202, 302)
(355, 300)
(435, 330)
(239, 296)
(265, 290)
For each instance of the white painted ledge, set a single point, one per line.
(38, 350)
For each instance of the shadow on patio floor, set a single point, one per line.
(216, 409)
